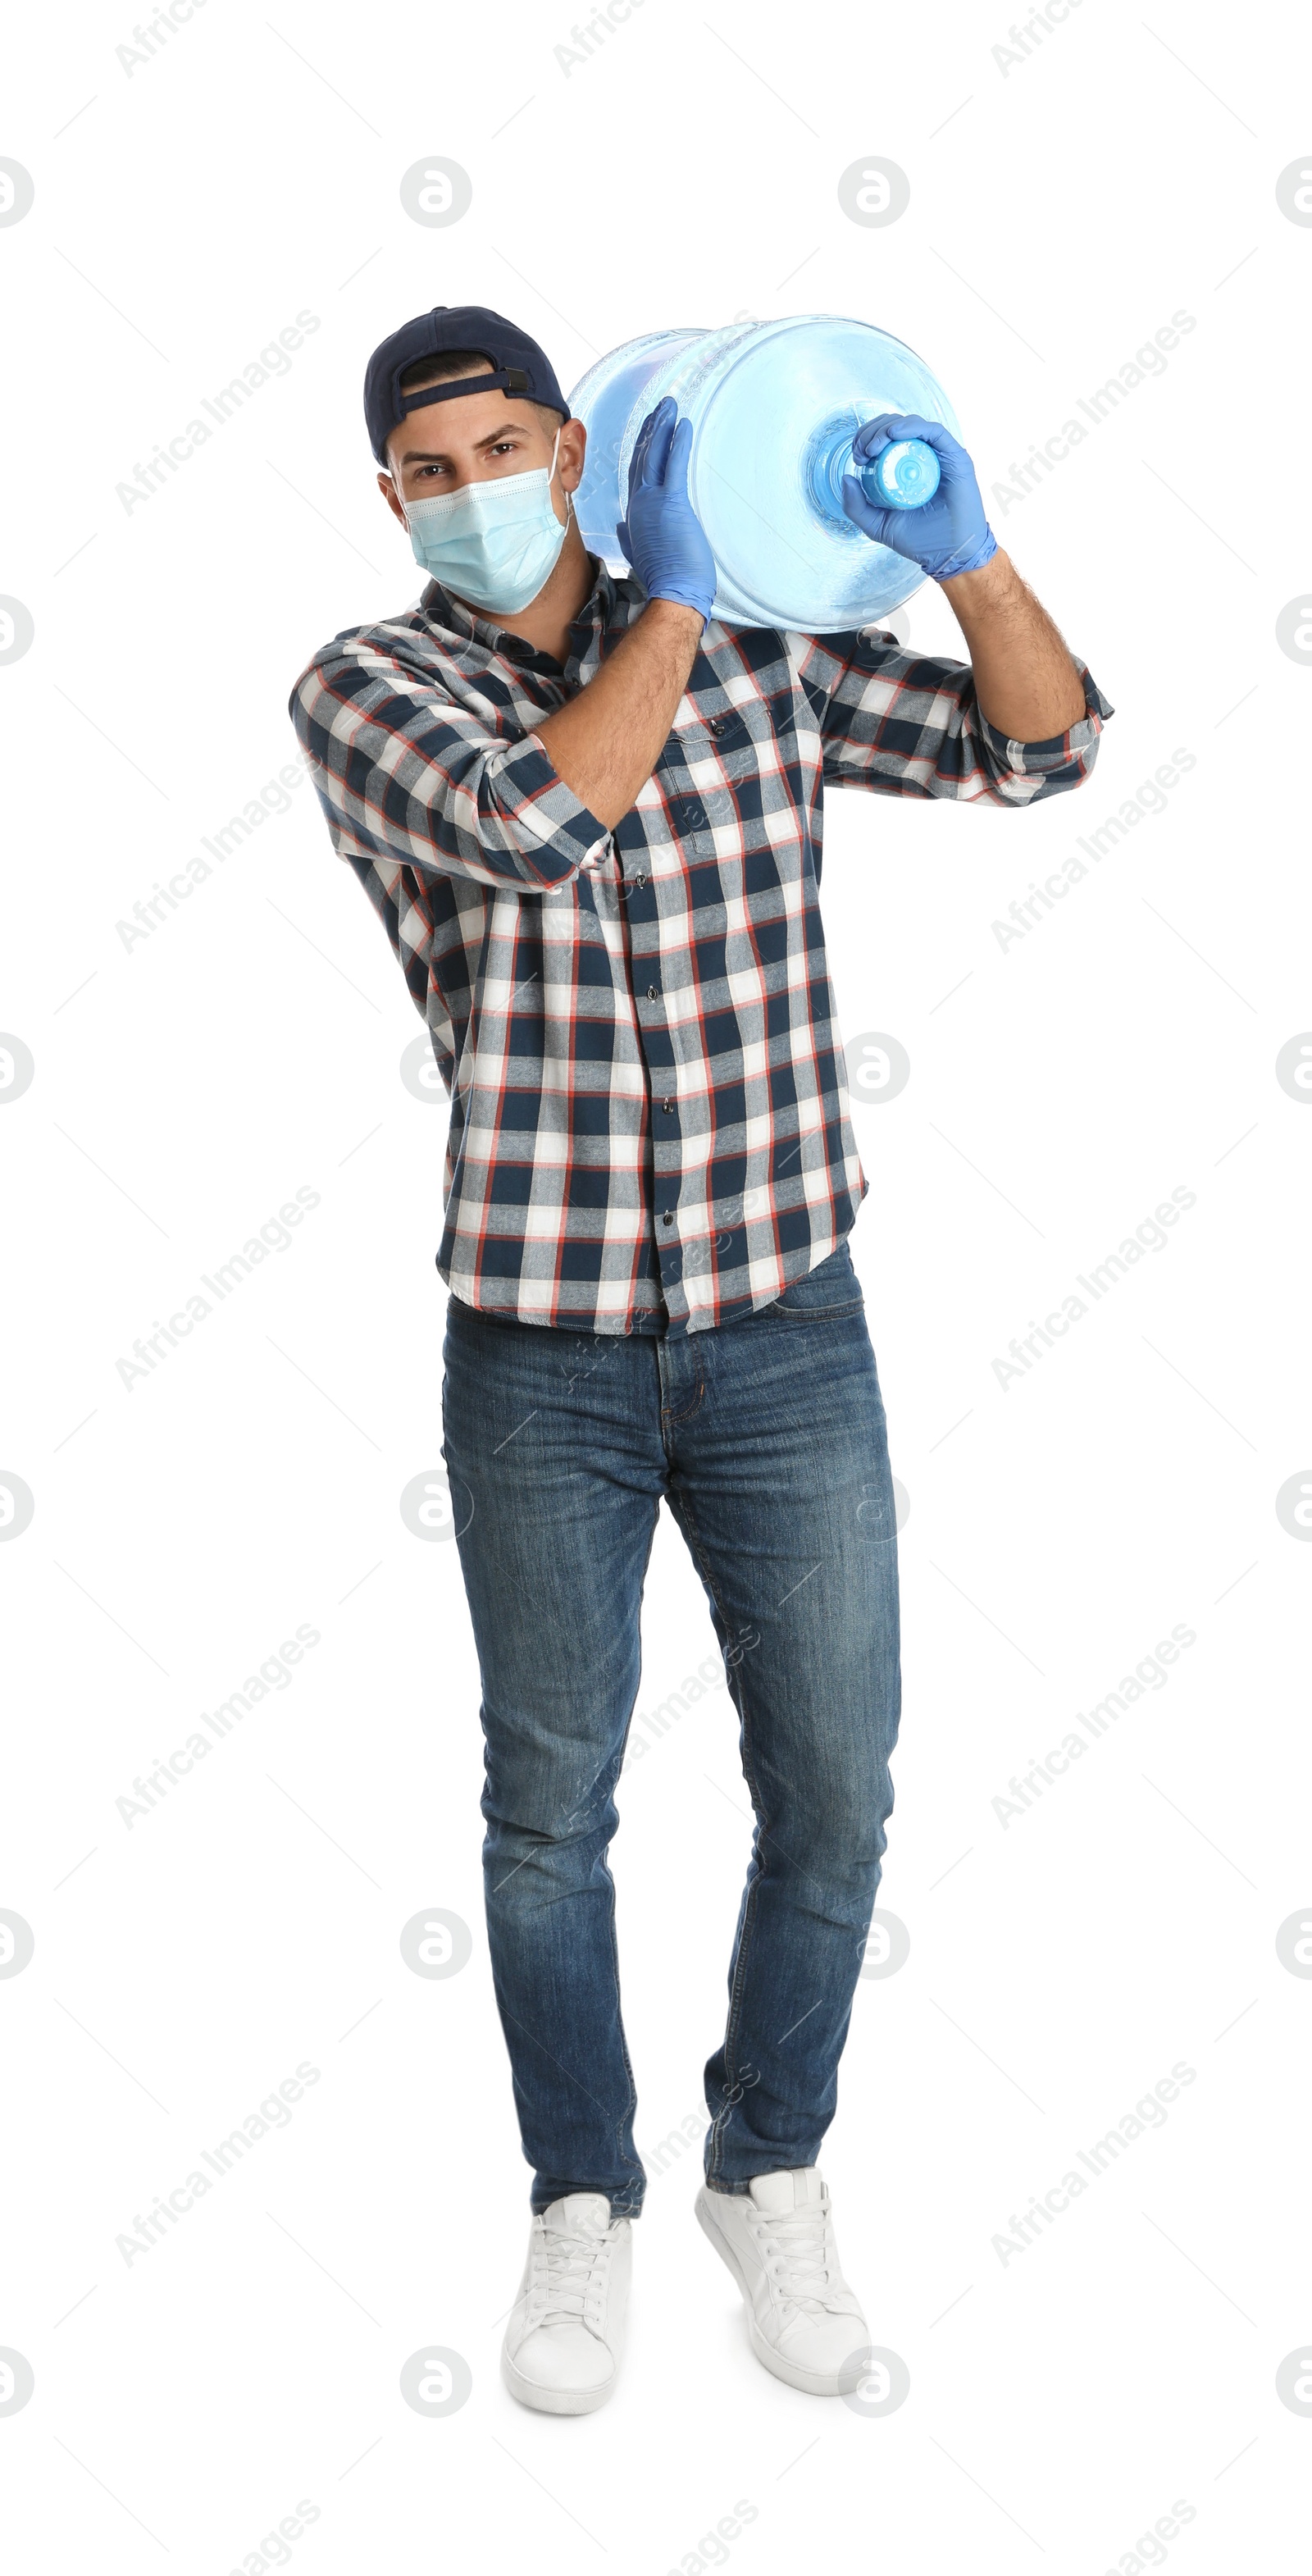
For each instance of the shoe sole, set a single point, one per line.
(554, 2401)
(813, 2383)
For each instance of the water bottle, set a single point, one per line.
(774, 407)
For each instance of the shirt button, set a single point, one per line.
(667, 1220)
(653, 993)
(667, 1104)
(640, 881)
(716, 726)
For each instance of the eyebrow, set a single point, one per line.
(439, 456)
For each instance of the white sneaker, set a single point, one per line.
(777, 2238)
(566, 2332)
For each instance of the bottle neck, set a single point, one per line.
(828, 459)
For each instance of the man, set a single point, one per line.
(590, 817)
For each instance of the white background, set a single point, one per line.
(1062, 208)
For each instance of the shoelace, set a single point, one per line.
(798, 2235)
(569, 2261)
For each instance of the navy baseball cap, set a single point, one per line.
(519, 366)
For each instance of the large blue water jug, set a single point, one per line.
(774, 406)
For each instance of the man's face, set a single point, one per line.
(475, 439)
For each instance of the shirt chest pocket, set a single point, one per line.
(721, 750)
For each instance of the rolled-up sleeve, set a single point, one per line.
(909, 724)
(403, 771)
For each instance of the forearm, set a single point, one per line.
(1025, 680)
(606, 741)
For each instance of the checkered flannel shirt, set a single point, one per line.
(649, 1117)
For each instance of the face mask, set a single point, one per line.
(492, 543)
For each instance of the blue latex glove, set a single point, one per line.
(948, 534)
(661, 537)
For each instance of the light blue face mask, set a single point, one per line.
(492, 543)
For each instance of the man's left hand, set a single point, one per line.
(946, 535)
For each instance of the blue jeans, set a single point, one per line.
(767, 1440)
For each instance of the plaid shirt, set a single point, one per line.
(649, 1119)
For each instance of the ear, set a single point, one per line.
(393, 498)
(573, 449)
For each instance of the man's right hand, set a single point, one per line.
(661, 536)
(606, 740)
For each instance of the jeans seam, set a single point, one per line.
(737, 1691)
(626, 2115)
(670, 1420)
(815, 1314)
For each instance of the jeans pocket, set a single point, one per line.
(830, 1290)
